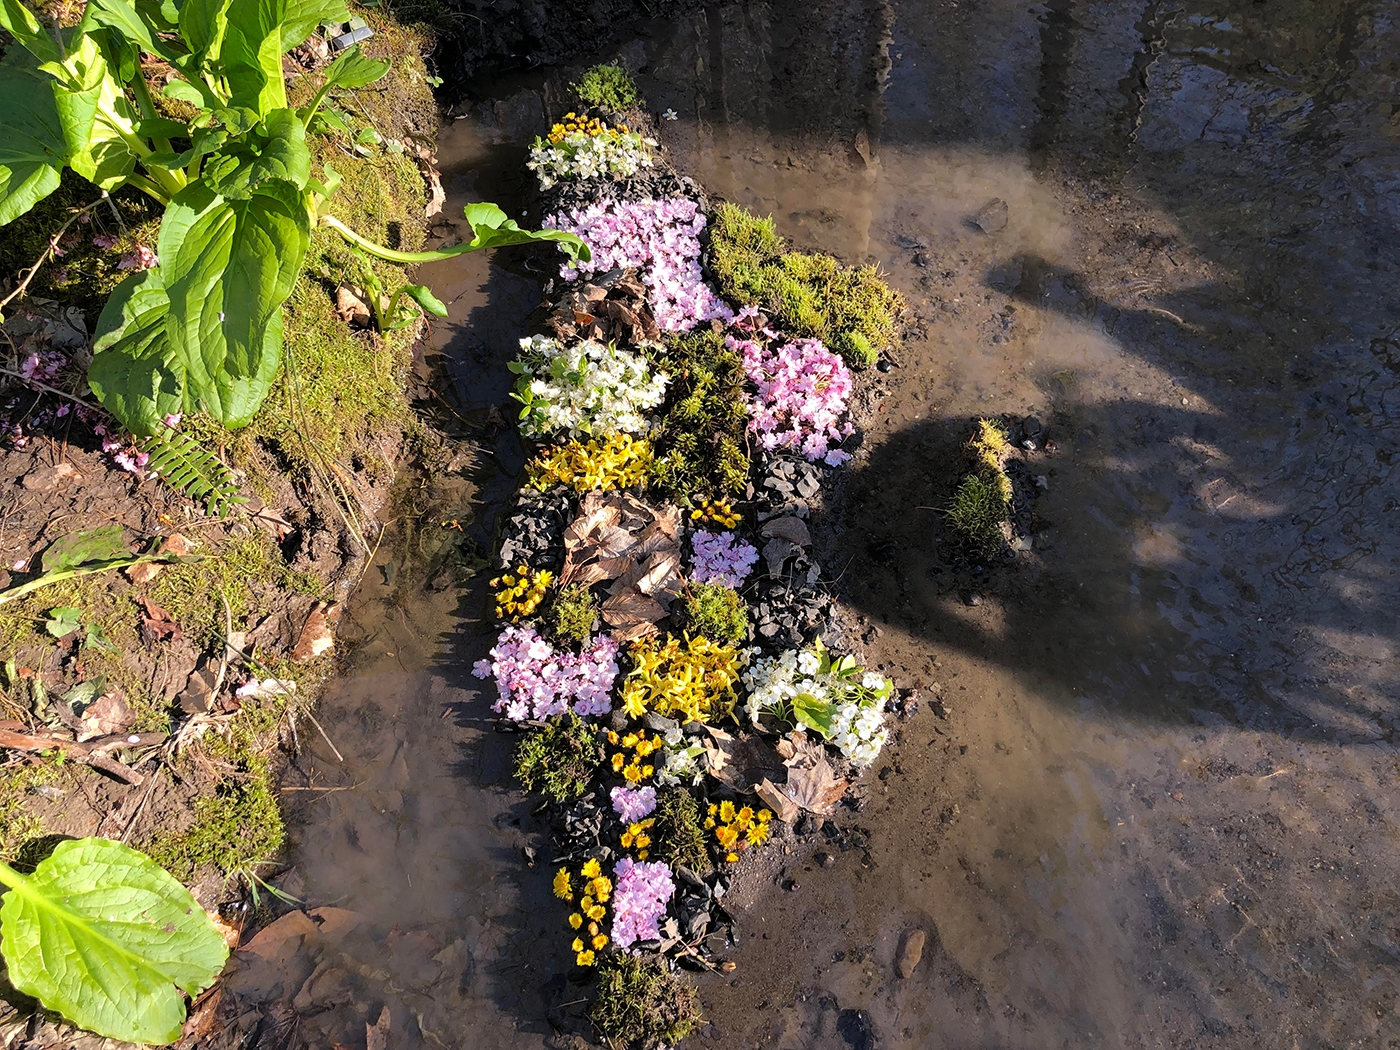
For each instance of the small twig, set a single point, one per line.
(327, 739)
(131, 821)
(44, 387)
(28, 275)
(223, 661)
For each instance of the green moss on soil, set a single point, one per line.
(679, 832)
(641, 1003)
(607, 87)
(699, 447)
(983, 500)
(849, 308)
(716, 612)
(558, 759)
(237, 828)
(572, 616)
(17, 782)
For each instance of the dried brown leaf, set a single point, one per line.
(792, 529)
(815, 788)
(784, 808)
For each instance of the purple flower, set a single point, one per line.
(717, 557)
(536, 681)
(640, 896)
(632, 804)
(660, 240)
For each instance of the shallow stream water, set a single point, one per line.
(1159, 809)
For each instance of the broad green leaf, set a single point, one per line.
(202, 26)
(97, 147)
(303, 16)
(354, 70)
(20, 23)
(184, 91)
(32, 149)
(63, 621)
(109, 939)
(123, 17)
(227, 267)
(283, 157)
(815, 714)
(87, 547)
(491, 229)
(135, 371)
(252, 54)
(426, 299)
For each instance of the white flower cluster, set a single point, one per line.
(581, 156)
(587, 388)
(830, 692)
(684, 762)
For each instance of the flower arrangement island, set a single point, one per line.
(661, 608)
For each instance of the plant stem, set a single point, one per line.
(48, 578)
(389, 254)
(10, 877)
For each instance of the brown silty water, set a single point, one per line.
(1158, 808)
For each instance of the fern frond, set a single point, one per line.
(189, 468)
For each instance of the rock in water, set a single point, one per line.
(911, 950)
(992, 216)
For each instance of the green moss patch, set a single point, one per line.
(572, 616)
(18, 780)
(558, 759)
(849, 308)
(982, 503)
(699, 447)
(607, 87)
(716, 612)
(237, 828)
(679, 832)
(640, 1003)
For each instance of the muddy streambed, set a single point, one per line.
(1149, 800)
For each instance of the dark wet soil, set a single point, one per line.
(1158, 809)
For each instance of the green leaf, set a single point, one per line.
(353, 69)
(20, 23)
(491, 229)
(301, 17)
(109, 939)
(252, 54)
(282, 156)
(63, 621)
(426, 299)
(202, 26)
(227, 266)
(90, 546)
(32, 148)
(815, 714)
(135, 371)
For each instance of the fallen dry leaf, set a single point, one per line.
(747, 760)
(784, 808)
(351, 307)
(815, 787)
(800, 751)
(156, 624)
(108, 714)
(792, 529)
(377, 1034)
(318, 635)
(147, 571)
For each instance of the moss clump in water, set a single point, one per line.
(678, 832)
(699, 447)
(572, 617)
(849, 308)
(607, 87)
(640, 1003)
(716, 612)
(558, 759)
(980, 507)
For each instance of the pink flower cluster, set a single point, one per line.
(661, 240)
(640, 896)
(536, 681)
(800, 402)
(717, 557)
(632, 804)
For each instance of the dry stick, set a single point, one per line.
(223, 660)
(131, 821)
(324, 737)
(44, 387)
(47, 252)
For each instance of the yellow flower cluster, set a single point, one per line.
(631, 760)
(594, 888)
(573, 124)
(522, 592)
(693, 678)
(636, 837)
(721, 512)
(616, 462)
(730, 824)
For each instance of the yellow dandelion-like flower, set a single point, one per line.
(757, 835)
(562, 888)
(726, 811)
(597, 912)
(600, 941)
(602, 887)
(764, 815)
(709, 823)
(617, 761)
(641, 854)
(731, 857)
(577, 945)
(612, 736)
(592, 929)
(713, 809)
(591, 868)
(584, 958)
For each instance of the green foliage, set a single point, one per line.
(607, 87)
(192, 468)
(102, 935)
(202, 331)
(237, 828)
(641, 1003)
(699, 447)
(572, 617)
(849, 308)
(558, 759)
(983, 500)
(679, 831)
(17, 783)
(716, 612)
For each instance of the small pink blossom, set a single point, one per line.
(536, 681)
(139, 258)
(800, 399)
(717, 557)
(640, 896)
(633, 804)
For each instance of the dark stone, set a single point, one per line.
(856, 1027)
(825, 859)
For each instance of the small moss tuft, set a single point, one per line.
(983, 500)
(573, 616)
(236, 829)
(640, 1003)
(678, 832)
(607, 87)
(716, 612)
(17, 782)
(558, 759)
(849, 308)
(699, 447)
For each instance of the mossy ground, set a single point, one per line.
(982, 502)
(558, 759)
(715, 611)
(699, 446)
(607, 87)
(18, 781)
(679, 832)
(572, 616)
(849, 308)
(641, 1003)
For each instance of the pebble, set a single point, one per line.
(911, 950)
(826, 860)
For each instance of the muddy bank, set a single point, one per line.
(1146, 801)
